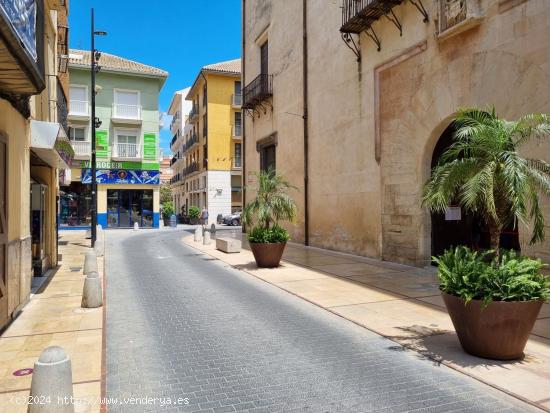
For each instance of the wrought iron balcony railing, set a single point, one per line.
(257, 91)
(358, 15)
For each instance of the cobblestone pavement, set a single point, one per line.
(183, 325)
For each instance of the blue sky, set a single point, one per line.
(179, 36)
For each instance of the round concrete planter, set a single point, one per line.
(267, 255)
(499, 331)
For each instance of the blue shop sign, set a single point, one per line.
(121, 176)
(22, 16)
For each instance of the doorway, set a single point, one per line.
(459, 227)
(125, 207)
(3, 232)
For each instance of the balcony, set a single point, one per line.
(257, 91)
(358, 15)
(126, 151)
(237, 100)
(237, 132)
(456, 16)
(126, 114)
(82, 149)
(194, 114)
(79, 110)
(191, 142)
(194, 167)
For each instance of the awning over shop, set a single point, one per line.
(51, 144)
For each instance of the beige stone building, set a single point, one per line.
(34, 147)
(354, 99)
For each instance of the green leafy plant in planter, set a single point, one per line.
(272, 204)
(493, 297)
(167, 211)
(194, 214)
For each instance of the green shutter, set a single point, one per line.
(150, 146)
(101, 144)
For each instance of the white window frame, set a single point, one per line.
(87, 138)
(139, 137)
(87, 95)
(115, 90)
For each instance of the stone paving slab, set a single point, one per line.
(403, 304)
(54, 317)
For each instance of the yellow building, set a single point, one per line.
(33, 143)
(211, 147)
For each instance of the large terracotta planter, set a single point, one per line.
(499, 331)
(267, 255)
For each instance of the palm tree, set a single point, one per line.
(484, 172)
(272, 203)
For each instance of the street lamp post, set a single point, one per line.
(94, 57)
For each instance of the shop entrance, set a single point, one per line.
(3, 233)
(127, 206)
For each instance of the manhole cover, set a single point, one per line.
(22, 372)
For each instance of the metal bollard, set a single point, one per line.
(52, 383)
(90, 262)
(92, 294)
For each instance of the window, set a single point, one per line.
(78, 98)
(204, 126)
(238, 87)
(238, 155)
(127, 143)
(237, 129)
(127, 104)
(267, 158)
(264, 58)
(77, 133)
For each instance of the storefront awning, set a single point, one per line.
(51, 144)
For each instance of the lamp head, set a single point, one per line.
(100, 33)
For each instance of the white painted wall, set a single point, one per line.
(219, 202)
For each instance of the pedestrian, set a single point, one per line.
(204, 217)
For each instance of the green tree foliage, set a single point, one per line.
(484, 171)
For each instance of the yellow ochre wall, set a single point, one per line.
(221, 117)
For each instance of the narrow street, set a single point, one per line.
(183, 325)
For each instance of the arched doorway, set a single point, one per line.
(458, 227)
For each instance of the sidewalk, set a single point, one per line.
(401, 303)
(54, 317)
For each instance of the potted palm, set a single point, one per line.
(493, 298)
(272, 204)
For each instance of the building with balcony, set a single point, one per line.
(208, 152)
(353, 100)
(34, 147)
(127, 142)
(180, 128)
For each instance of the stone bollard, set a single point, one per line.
(88, 234)
(198, 234)
(213, 231)
(90, 262)
(99, 244)
(136, 226)
(52, 381)
(206, 238)
(161, 223)
(92, 294)
(99, 228)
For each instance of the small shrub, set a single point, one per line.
(167, 209)
(275, 234)
(194, 212)
(472, 275)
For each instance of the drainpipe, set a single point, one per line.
(306, 131)
(243, 116)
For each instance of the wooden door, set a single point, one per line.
(3, 232)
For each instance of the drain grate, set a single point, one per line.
(75, 269)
